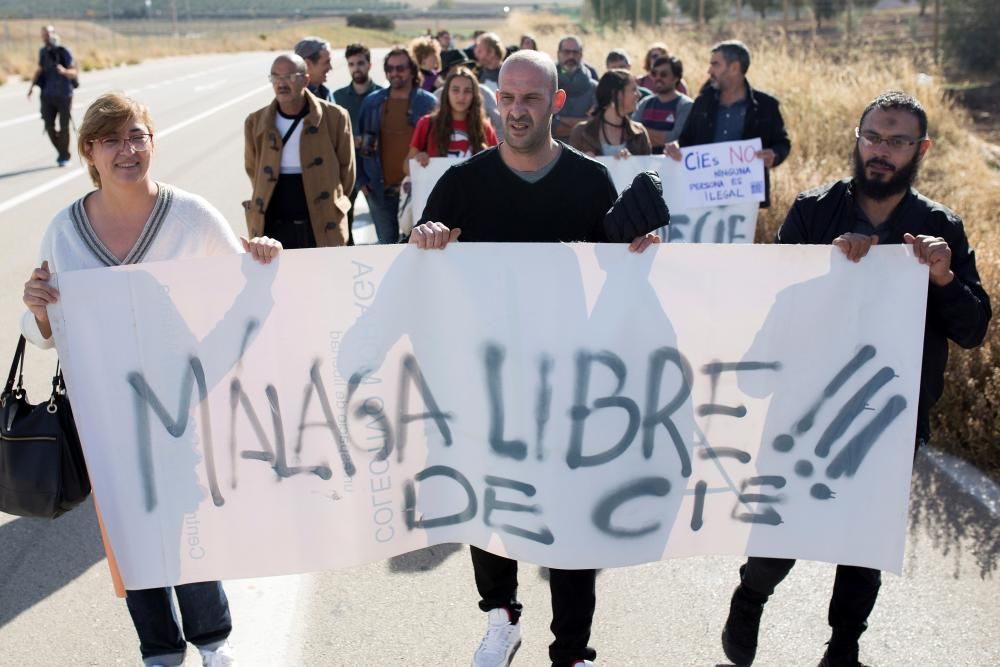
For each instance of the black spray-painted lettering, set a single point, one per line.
(410, 372)
(515, 449)
(644, 486)
(491, 504)
(575, 457)
(410, 499)
(144, 399)
(662, 417)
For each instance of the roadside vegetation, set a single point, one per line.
(823, 81)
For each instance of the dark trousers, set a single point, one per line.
(51, 108)
(854, 592)
(574, 598)
(350, 218)
(205, 620)
(385, 215)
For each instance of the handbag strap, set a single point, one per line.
(17, 363)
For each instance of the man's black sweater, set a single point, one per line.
(489, 202)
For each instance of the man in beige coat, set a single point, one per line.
(299, 155)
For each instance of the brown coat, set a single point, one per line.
(327, 155)
(586, 137)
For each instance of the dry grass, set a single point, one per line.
(97, 47)
(822, 91)
(821, 101)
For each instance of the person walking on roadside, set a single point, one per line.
(386, 123)
(359, 63)
(316, 52)
(579, 85)
(56, 77)
(665, 112)
(610, 131)
(552, 193)
(127, 219)
(876, 206)
(730, 109)
(458, 128)
(299, 157)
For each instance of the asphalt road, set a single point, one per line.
(56, 602)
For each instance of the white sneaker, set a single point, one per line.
(220, 656)
(584, 663)
(500, 643)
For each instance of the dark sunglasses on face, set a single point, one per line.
(396, 68)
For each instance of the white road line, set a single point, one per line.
(65, 178)
(133, 91)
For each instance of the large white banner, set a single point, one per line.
(568, 405)
(731, 217)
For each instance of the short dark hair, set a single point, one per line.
(676, 66)
(310, 48)
(355, 49)
(734, 50)
(897, 100)
(615, 55)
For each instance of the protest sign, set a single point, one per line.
(724, 173)
(422, 180)
(574, 405)
(732, 222)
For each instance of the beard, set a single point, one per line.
(900, 180)
(359, 77)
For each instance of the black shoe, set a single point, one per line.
(739, 637)
(841, 656)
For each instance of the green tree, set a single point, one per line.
(971, 33)
(762, 7)
(712, 8)
(616, 11)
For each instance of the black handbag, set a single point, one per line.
(42, 470)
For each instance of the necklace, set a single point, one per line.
(620, 126)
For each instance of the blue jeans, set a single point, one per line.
(385, 215)
(204, 615)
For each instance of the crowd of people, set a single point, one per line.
(528, 125)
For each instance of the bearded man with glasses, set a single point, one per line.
(877, 206)
(299, 156)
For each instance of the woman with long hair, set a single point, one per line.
(610, 130)
(458, 128)
(127, 219)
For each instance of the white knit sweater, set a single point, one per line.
(182, 225)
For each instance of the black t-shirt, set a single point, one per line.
(490, 203)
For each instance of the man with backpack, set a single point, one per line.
(56, 78)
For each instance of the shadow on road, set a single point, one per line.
(21, 172)
(38, 557)
(956, 523)
(423, 560)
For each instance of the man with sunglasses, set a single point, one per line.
(299, 156)
(877, 206)
(386, 123)
(665, 112)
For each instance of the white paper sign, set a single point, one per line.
(732, 223)
(422, 180)
(569, 405)
(720, 174)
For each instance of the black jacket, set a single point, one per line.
(763, 120)
(959, 311)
